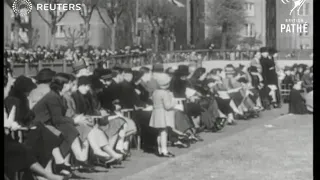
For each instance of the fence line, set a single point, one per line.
(31, 68)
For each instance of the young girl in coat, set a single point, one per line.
(163, 114)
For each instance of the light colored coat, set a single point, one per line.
(163, 113)
(37, 94)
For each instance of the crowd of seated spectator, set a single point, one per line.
(75, 122)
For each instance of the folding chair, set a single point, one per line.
(285, 91)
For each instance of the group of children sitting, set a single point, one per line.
(78, 121)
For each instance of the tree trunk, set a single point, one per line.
(134, 38)
(224, 36)
(86, 34)
(156, 39)
(16, 35)
(52, 42)
(114, 34)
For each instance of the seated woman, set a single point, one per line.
(41, 140)
(255, 86)
(237, 93)
(213, 119)
(196, 79)
(117, 129)
(183, 114)
(252, 94)
(296, 102)
(51, 111)
(19, 93)
(19, 157)
(225, 103)
(81, 103)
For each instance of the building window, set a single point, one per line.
(306, 11)
(249, 30)
(249, 8)
(60, 31)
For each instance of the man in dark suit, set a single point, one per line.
(269, 74)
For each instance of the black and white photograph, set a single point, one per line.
(158, 89)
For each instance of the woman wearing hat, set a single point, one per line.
(84, 104)
(43, 79)
(19, 157)
(163, 114)
(51, 111)
(178, 86)
(237, 93)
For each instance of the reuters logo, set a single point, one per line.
(296, 4)
(22, 7)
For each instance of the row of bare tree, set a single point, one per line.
(226, 17)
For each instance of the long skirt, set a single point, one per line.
(148, 134)
(297, 103)
(42, 141)
(255, 95)
(17, 157)
(112, 127)
(84, 130)
(236, 97)
(209, 116)
(224, 105)
(182, 121)
(69, 133)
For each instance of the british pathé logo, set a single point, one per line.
(297, 24)
(22, 7)
(297, 4)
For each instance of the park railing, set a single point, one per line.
(32, 68)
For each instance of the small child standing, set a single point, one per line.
(163, 113)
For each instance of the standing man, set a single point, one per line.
(269, 74)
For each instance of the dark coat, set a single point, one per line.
(129, 98)
(24, 115)
(288, 80)
(40, 140)
(84, 104)
(269, 73)
(110, 95)
(307, 82)
(296, 103)
(144, 94)
(178, 87)
(51, 110)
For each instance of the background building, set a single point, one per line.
(255, 26)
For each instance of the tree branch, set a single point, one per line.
(100, 15)
(41, 16)
(62, 16)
